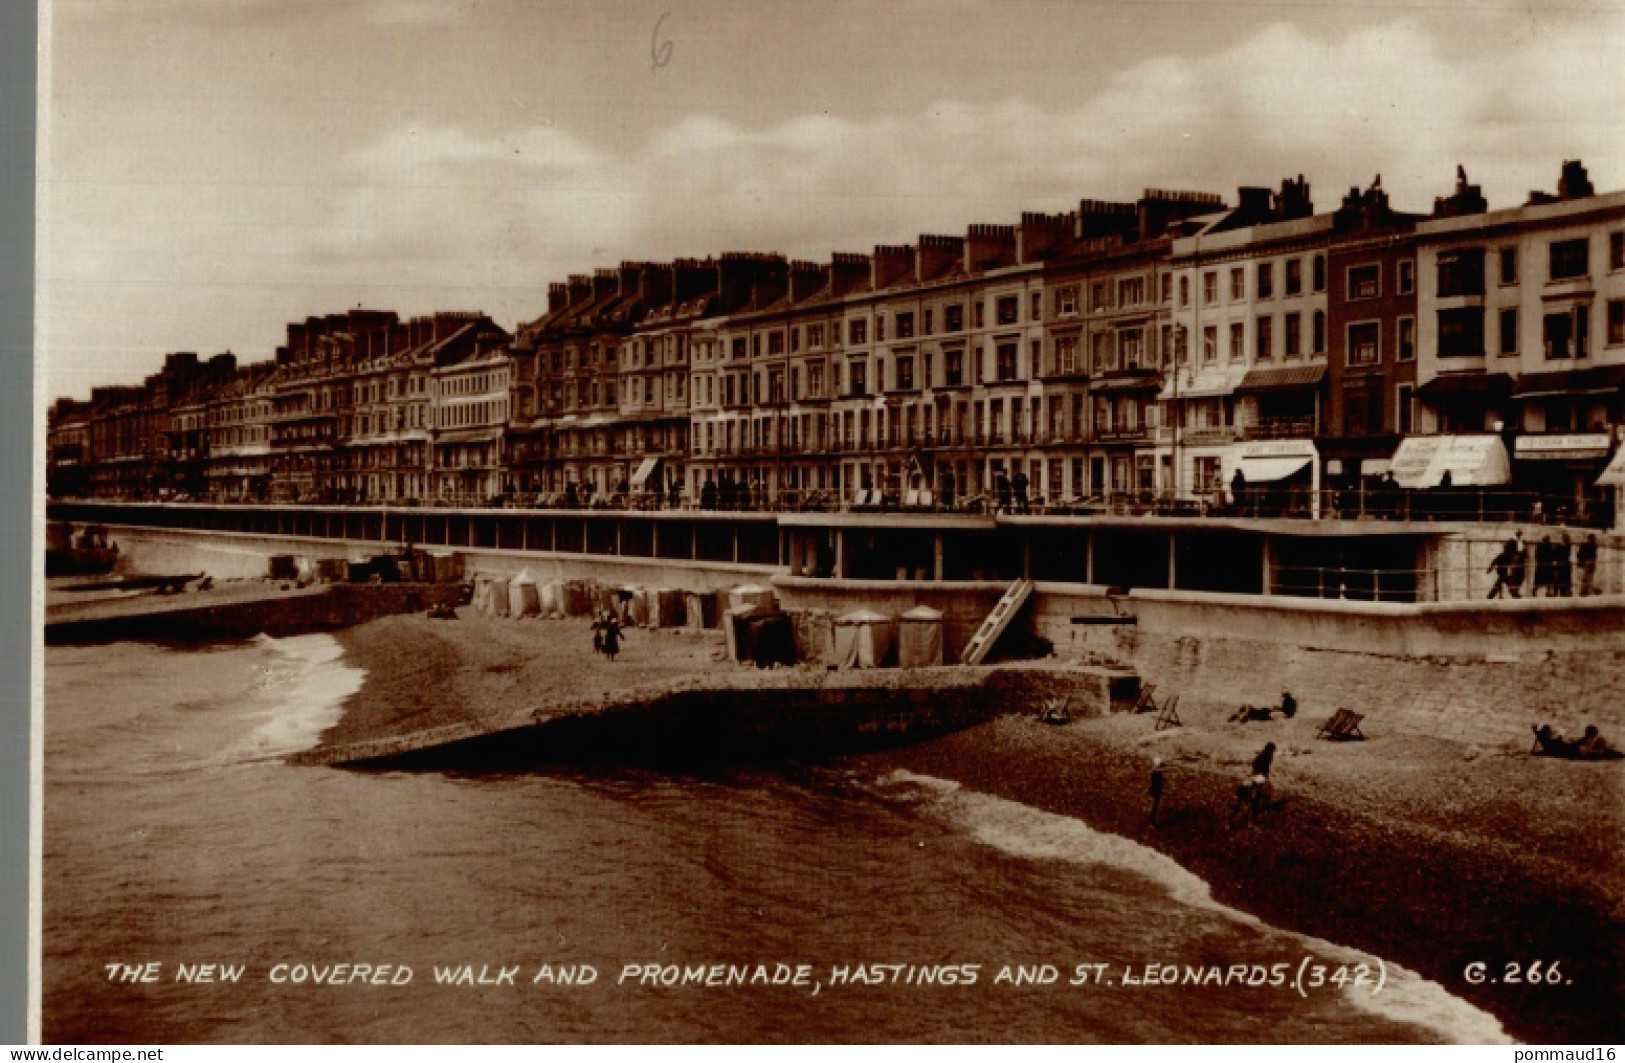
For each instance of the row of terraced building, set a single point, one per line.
(1122, 350)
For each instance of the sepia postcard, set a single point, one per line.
(919, 522)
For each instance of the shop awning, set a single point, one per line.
(1582, 446)
(1374, 466)
(1282, 378)
(1472, 461)
(1488, 384)
(1126, 382)
(1598, 380)
(646, 467)
(1269, 470)
(1614, 475)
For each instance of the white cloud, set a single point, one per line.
(536, 204)
(436, 214)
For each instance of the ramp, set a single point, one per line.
(995, 623)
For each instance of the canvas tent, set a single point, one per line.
(700, 609)
(919, 638)
(523, 597)
(750, 594)
(497, 596)
(863, 639)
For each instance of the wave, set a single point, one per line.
(1033, 834)
(302, 687)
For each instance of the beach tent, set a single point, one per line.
(700, 609)
(863, 638)
(442, 567)
(552, 598)
(524, 599)
(639, 606)
(751, 594)
(666, 608)
(481, 601)
(772, 639)
(331, 570)
(919, 638)
(498, 597)
(736, 631)
(578, 599)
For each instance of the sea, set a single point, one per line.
(198, 888)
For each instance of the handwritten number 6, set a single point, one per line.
(659, 50)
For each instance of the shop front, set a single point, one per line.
(1561, 469)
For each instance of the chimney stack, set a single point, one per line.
(1040, 234)
(936, 255)
(1293, 201)
(807, 279)
(989, 247)
(848, 272)
(892, 264)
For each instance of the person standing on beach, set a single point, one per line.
(597, 631)
(1157, 782)
(1265, 760)
(612, 638)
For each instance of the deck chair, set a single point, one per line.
(1344, 726)
(1147, 701)
(1168, 715)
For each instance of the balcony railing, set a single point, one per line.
(1281, 428)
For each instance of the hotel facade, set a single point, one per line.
(1170, 348)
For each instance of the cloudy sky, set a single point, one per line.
(211, 169)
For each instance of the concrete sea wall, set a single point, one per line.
(238, 555)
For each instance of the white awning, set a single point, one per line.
(1587, 446)
(1269, 470)
(1421, 462)
(645, 468)
(1374, 466)
(1614, 475)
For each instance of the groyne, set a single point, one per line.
(735, 714)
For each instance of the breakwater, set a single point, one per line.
(738, 714)
(234, 611)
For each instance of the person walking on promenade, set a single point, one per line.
(1563, 567)
(1018, 487)
(1519, 567)
(1543, 568)
(1158, 781)
(1238, 488)
(571, 499)
(674, 494)
(1001, 490)
(1585, 558)
(946, 491)
(1502, 567)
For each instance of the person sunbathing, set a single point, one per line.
(1593, 746)
(1551, 744)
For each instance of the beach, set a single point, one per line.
(1433, 853)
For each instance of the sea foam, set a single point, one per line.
(301, 693)
(1033, 834)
